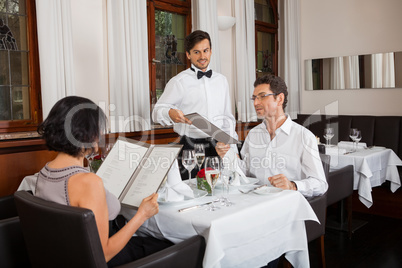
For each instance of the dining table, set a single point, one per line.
(372, 167)
(254, 230)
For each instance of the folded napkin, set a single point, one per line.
(348, 145)
(239, 178)
(175, 189)
(334, 150)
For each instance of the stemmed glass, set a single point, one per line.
(106, 151)
(188, 161)
(90, 158)
(353, 136)
(358, 138)
(227, 175)
(199, 154)
(212, 171)
(328, 135)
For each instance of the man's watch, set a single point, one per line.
(294, 185)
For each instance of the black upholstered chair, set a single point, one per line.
(314, 229)
(63, 236)
(12, 245)
(340, 189)
(7, 207)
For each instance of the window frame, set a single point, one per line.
(175, 6)
(7, 126)
(265, 27)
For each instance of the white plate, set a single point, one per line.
(377, 148)
(252, 181)
(197, 194)
(268, 190)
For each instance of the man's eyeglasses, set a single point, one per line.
(260, 97)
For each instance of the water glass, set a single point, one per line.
(353, 135)
(328, 135)
(358, 137)
(188, 161)
(199, 154)
(212, 171)
(227, 175)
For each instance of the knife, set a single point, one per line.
(193, 207)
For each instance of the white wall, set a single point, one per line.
(350, 27)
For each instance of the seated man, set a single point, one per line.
(280, 151)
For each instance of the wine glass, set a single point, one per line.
(199, 154)
(90, 158)
(227, 175)
(188, 161)
(353, 135)
(212, 171)
(328, 135)
(106, 151)
(358, 137)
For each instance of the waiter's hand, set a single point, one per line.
(222, 149)
(281, 181)
(178, 117)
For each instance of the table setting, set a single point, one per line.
(241, 228)
(373, 165)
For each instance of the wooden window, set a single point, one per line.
(20, 100)
(169, 22)
(266, 36)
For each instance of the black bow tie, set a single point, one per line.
(200, 74)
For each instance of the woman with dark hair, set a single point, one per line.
(74, 128)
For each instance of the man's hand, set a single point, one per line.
(178, 117)
(281, 181)
(222, 149)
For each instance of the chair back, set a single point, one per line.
(7, 207)
(58, 235)
(12, 245)
(319, 205)
(340, 184)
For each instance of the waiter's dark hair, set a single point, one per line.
(73, 125)
(276, 84)
(194, 38)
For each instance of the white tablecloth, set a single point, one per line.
(372, 167)
(254, 231)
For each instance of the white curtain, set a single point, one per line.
(382, 70)
(55, 51)
(205, 18)
(128, 65)
(337, 73)
(308, 73)
(244, 59)
(292, 66)
(351, 68)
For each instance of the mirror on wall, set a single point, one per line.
(380, 70)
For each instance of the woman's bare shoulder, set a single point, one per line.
(85, 186)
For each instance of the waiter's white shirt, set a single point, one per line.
(293, 152)
(207, 96)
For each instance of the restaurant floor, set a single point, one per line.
(378, 243)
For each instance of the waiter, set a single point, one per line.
(197, 89)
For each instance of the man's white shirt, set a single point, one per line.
(293, 152)
(207, 96)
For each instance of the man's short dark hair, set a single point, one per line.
(276, 84)
(194, 38)
(73, 125)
